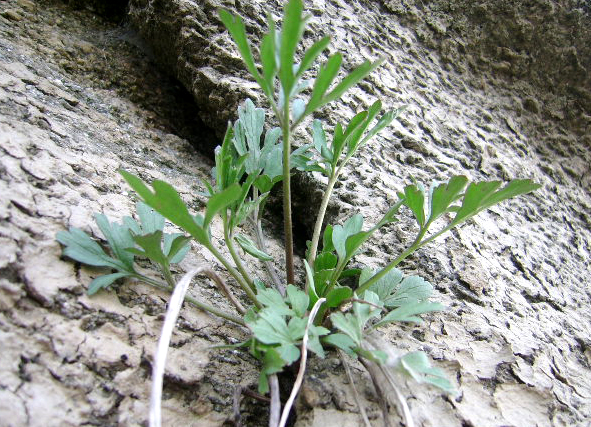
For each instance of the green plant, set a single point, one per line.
(287, 318)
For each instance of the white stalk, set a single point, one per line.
(172, 314)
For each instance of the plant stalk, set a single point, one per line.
(243, 284)
(320, 220)
(289, 268)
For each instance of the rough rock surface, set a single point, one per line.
(80, 98)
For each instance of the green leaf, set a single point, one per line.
(416, 364)
(408, 312)
(351, 80)
(119, 239)
(175, 247)
(150, 219)
(327, 245)
(250, 247)
(341, 233)
(102, 282)
(235, 26)
(80, 247)
(152, 247)
(482, 195)
(337, 296)
(325, 261)
(443, 195)
(298, 299)
(385, 285)
(291, 33)
(311, 55)
(412, 288)
(270, 297)
(342, 341)
(313, 293)
(272, 363)
(268, 54)
(325, 77)
(166, 201)
(221, 201)
(414, 198)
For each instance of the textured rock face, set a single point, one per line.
(79, 98)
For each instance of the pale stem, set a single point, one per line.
(172, 314)
(275, 409)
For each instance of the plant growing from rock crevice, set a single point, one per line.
(286, 318)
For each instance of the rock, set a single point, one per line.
(11, 14)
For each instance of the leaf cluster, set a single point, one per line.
(126, 240)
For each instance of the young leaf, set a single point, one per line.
(298, 299)
(297, 109)
(408, 312)
(250, 248)
(416, 364)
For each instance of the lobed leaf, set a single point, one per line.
(166, 201)
(119, 239)
(102, 282)
(80, 247)
(409, 312)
